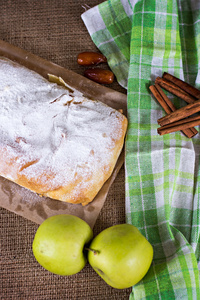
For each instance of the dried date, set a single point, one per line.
(90, 58)
(99, 75)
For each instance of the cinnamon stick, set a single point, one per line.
(165, 98)
(168, 106)
(190, 132)
(179, 125)
(180, 113)
(175, 90)
(183, 85)
(182, 121)
(159, 98)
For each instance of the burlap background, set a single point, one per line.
(53, 30)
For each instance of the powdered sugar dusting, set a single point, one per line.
(52, 133)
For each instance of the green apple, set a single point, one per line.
(121, 255)
(59, 244)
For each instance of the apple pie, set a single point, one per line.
(54, 141)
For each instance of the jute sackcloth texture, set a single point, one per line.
(53, 30)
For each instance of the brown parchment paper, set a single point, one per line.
(28, 204)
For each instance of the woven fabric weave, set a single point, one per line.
(142, 39)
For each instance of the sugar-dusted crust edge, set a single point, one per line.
(87, 195)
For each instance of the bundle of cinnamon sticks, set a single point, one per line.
(184, 118)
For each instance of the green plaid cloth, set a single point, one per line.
(142, 39)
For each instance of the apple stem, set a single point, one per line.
(92, 250)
